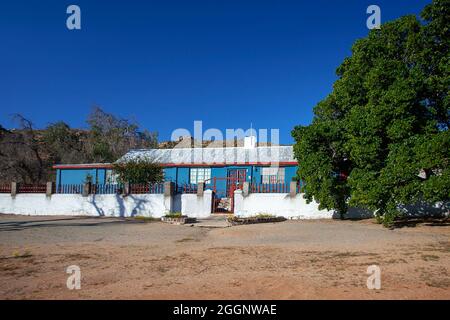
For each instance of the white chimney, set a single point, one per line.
(250, 142)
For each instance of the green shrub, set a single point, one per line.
(174, 215)
(146, 219)
(264, 215)
(138, 171)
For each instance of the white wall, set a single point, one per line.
(195, 206)
(278, 204)
(150, 205)
(282, 204)
(157, 205)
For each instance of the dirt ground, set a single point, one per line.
(130, 259)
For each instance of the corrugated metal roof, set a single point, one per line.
(198, 156)
(83, 166)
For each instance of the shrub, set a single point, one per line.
(138, 171)
(174, 215)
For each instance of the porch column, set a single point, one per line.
(13, 189)
(86, 189)
(293, 189)
(49, 189)
(200, 189)
(246, 189)
(126, 189)
(169, 188)
(238, 202)
(169, 192)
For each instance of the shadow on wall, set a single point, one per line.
(140, 206)
(99, 210)
(422, 209)
(419, 210)
(176, 205)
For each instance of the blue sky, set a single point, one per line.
(167, 63)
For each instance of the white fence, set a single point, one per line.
(150, 205)
(288, 205)
(112, 205)
(278, 204)
(295, 207)
(198, 206)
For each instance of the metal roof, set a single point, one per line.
(83, 166)
(215, 156)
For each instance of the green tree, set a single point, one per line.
(385, 124)
(138, 171)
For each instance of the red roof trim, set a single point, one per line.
(82, 166)
(293, 163)
(171, 165)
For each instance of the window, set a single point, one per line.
(198, 175)
(272, 175)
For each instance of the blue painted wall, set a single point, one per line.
(179, 175)
(78, 176)
(170, 174)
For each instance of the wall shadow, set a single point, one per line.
(140, 206)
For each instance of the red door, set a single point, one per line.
(235, 178)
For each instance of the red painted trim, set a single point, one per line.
(181, 165)
(82, 166)
(293, 163)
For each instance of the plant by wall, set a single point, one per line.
(138, 171)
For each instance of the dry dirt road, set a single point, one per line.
(129, 259)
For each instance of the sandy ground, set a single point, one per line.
(129, 259)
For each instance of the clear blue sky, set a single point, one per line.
(167, 63)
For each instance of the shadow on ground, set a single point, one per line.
(65, 222)
(412, 223)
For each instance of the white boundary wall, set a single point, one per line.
(278, 204)
(150, 205)
(195, 206)
(283, 205)
(192, 205)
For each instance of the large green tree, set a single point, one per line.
(380, 139)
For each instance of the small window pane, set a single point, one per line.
(198, 175)
(193, 177)
(273, 175)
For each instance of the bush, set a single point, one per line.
(138, 171)
(264, 215)
(146, 219)
(174, 215)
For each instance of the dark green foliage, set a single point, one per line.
(386, 122)
(138, 171)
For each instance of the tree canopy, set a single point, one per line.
(27, 154)
(381, 138)
(138, 171)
